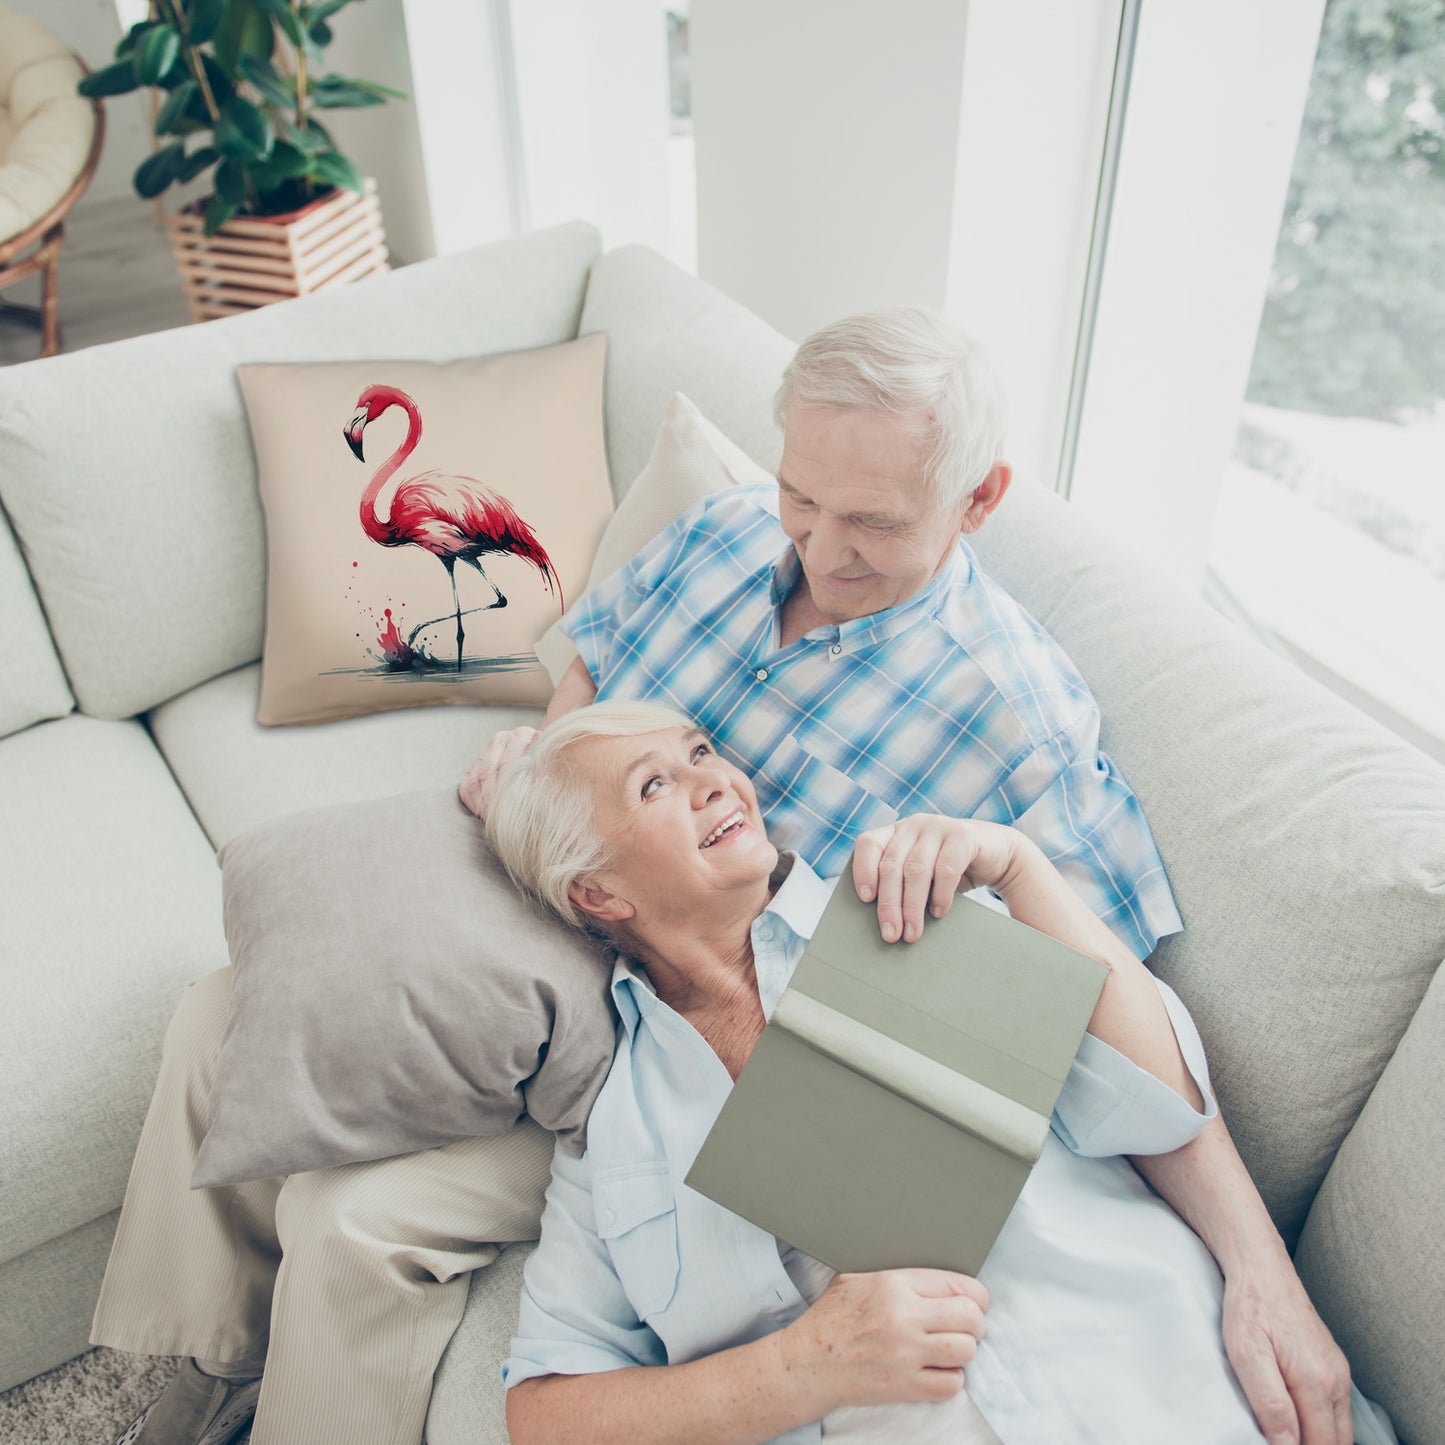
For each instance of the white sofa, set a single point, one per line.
(1305, 845)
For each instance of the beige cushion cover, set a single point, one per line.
(506, 444)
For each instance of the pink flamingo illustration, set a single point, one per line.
(456, 519)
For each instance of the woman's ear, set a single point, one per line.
(596, 902)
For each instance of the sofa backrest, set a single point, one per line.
(128, 474)
(1302, 840)
(35, 688)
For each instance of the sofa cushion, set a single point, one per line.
(150, 559)
(393, 993)
(691, 459)
(669, 332)
(1302, 841)
(1372, 1254)
(110, 906)
(237, 774)
(498, 462)
(468, 1404)
(35, 687)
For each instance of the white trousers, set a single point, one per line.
(350, 1281)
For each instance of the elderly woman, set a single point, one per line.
(653, 1314)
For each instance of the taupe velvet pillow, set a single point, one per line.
(393, 992)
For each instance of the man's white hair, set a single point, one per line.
(908, 361)
(542, 821)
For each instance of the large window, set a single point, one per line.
(1330, 528)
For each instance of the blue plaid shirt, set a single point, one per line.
(955, 702)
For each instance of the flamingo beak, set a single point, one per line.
(352, 432)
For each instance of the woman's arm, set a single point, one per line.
(917, 865)
(903, 1334)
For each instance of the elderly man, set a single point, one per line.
(838, 640)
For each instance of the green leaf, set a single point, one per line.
(287, 162)
(157, 171)
(242, 132)
(231, 182)
(378, 89)
(278, 89)
(312, 140)
(222, 85)
(117, 79)
(197, 161)
(324, 11)
(173, 111)
(285, 17)
(333, 92)
(244, 31)
(319, 33)
(131, 38)
(157, 52)
(203, 19)
(333, 168)
(218, 212)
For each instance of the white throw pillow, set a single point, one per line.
(691, 459)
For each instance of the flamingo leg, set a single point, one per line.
(501, 601)
(450, 564)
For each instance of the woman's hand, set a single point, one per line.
(479, 780)
(897, 1335)
(918, 864)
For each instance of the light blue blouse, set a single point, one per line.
(1105, 1316)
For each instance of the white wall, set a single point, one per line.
(593, 114)
(827, 145)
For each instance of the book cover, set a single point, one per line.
(900, 1094)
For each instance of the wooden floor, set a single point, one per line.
(117, 279)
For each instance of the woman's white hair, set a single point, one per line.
(908, 360)
(542, 820)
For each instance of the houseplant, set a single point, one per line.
(239, 85)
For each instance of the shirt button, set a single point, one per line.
(765, 933)
(761, 674)
(836, 648)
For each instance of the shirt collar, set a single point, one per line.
(878, 627)
(783, 929)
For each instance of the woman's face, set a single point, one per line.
(682, 824)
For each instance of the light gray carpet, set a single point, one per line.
(86, 1402)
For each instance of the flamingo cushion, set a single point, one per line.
(425, 524)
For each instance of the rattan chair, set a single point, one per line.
(50, 139)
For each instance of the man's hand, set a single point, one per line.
(475, 788)
(1295, 1377)
(916, 865)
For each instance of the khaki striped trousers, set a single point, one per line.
(350, 1281)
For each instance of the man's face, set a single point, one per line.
(852, 498)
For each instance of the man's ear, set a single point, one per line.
(986, 496)
(595, 901)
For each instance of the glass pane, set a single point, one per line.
(681, 167)
(1330, 532)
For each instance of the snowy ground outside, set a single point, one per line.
(1339, 548)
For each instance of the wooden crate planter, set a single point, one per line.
(255, 260)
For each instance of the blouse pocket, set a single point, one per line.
(637, 1216)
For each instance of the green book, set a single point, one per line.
(900, 1094)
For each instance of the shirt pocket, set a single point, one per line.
(816, 801)
(636, 1212)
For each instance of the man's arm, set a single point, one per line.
(575, 690)
(1295, 1377)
